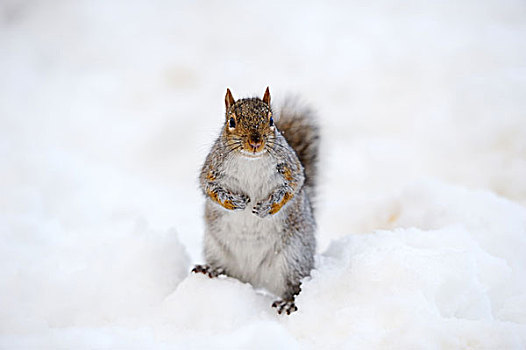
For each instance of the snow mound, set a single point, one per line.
(451, 273)
(214, 305)
(86, 280)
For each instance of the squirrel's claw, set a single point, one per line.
(262, 209)
(208, 270)
(285, 306)
(240, 201)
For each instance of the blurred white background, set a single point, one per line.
(108, 108)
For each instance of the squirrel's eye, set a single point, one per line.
(271, 121)
(232, 123)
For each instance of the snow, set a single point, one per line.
(107, 110)
(446, 276)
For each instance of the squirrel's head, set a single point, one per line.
(249, 125)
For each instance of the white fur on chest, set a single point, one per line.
(255, 177)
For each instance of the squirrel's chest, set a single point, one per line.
(254, 177)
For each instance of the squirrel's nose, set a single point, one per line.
(254, 144)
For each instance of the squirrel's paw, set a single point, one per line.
(239, 201)
(262, 209)
(229, 200)
(208, 270)
(285, 306)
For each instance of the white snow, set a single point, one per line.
(108, 108)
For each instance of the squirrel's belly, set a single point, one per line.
(254, 246)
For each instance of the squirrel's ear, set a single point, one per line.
(266, 96)
(229, 99)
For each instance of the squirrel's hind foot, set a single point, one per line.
(208, 270)
(285, 306)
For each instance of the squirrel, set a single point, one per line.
(259, 181)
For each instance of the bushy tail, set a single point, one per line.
(298, 125)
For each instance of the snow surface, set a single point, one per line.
(108, 109)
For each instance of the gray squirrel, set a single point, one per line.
(259, 180)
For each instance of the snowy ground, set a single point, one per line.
(108, 108)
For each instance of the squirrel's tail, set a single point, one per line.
(298, 125)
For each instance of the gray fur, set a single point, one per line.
(245, 238)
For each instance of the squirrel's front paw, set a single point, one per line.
(239, 201)
(262, 209)
(229, 200)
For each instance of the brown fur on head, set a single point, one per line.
(249, 123)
